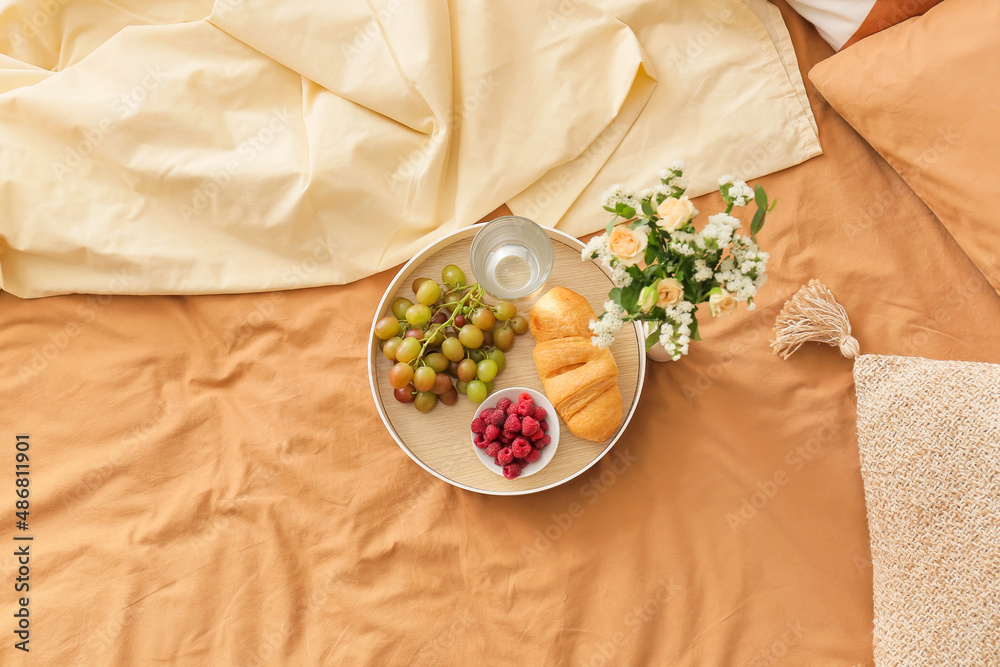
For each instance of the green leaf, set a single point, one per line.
(611, 226)
(648, 209)
(637, 222)
(758, 221)
(774, 202)
(630, 298)
(760, 196)
(652, 339)
(694, 329)
(609, 209)
(625, 211)
(616, 295)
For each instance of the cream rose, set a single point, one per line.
(674, 213)
(722, 303)
(628, 245)
(669, 291)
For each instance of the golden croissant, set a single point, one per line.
(580, 379)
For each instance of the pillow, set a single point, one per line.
(844, 22)
(924, 94)
(929, 442)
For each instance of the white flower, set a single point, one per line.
(741, 193)
(607, 325)
(675, 332)
(702, 271)
(619, 194)
(620, 277)
(724, 180)
(597, 248)
(645, 195)
(676, 166)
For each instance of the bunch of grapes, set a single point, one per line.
(449, 342)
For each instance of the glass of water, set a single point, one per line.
(511, 257)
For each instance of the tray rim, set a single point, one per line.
(432, 247)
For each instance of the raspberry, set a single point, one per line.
(520, 448)
(493, 448)
(540, 413)
(485, 414)
(544, 425)
(537, 435)
(503, 404)
(480, 441)
(508, 437)
(544, 441)
(524, 397)
(478, 425)
(525, 409)
(533, 456)
(492, 432)
(511, 409)
(511, 471)
(505, 456)
(497, 418)
(497, 463)
(528, 425)
(513, 424)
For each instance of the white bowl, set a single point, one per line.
(551, 418)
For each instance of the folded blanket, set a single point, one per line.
(278, 145)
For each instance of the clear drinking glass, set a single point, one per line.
(511, 257)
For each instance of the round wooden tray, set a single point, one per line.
(439, 440)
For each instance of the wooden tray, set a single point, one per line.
(439, 440)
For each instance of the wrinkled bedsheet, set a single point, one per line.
(211, 484)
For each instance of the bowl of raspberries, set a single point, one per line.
(515, 432)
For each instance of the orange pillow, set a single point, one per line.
(924, 94)
(844, 22)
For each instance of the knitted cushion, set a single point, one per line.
(929, 440)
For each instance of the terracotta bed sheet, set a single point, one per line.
(210, 482)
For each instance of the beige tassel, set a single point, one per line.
(812, 314)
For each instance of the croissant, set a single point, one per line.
(580, 379)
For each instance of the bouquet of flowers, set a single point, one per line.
(662, 267)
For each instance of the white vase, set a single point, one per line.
(655, 353)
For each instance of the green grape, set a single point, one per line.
(399, 306)
(451, 300)
(425, 401)
(503, 338)
(483, 318)
(417, 282)
(423, 378)
(387, 327)
(477, 355)
(499, 357)
(519, 325)
(476, 391)
(418, 314)
(390, 347)
(486, 370)
(437, 361)
(452, 348)
(471, 336)
(442, 384)
(408, 350)
(437, 337)
(453, 275)
(428, 293)
(488, 338)
(450, 397)
(467, 370)
(505, 310)
(461, 386)
(489, 388)
(400, 375)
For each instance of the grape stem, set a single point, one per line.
(474, 289)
